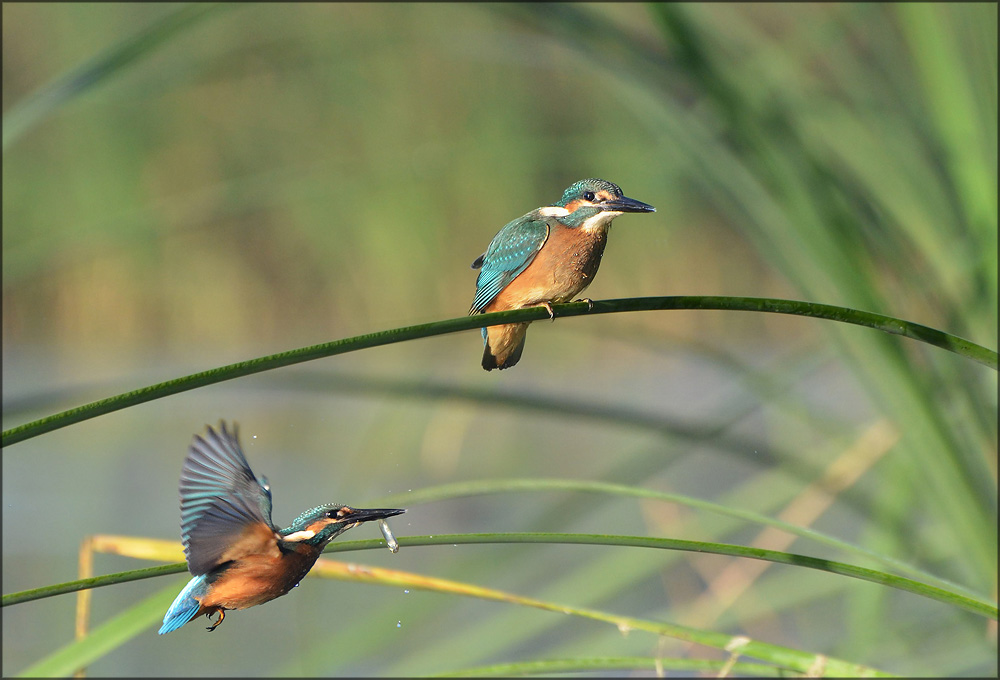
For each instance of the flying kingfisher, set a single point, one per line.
(547, 256)
(238, 557)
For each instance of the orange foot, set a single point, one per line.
(222, 615)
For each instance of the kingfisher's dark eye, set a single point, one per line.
(588, 196)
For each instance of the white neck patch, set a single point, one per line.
(599, 221)
(553, 211)
(300, 535)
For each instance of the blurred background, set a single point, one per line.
(187, 187)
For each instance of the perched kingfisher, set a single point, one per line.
(547, 256)
(238, 557)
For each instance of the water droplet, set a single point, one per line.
(406, 591)
(399, 624)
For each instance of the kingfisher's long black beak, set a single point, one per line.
(626, 204)
(361, 515)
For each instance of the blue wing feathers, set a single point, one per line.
(220, 496)
(511, 251)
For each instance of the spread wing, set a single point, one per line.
(509, 254)
(225, 509)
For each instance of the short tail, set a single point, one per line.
(185, 607)
(503, 345)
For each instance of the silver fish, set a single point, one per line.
(390, 540)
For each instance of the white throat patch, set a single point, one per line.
(599, 221)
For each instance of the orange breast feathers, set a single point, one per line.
(257, 579)
(562, 269)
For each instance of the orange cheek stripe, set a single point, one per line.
(318, 525)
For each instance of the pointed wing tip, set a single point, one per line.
(223, 431)
(218, 441)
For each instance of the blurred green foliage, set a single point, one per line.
(255, 178)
